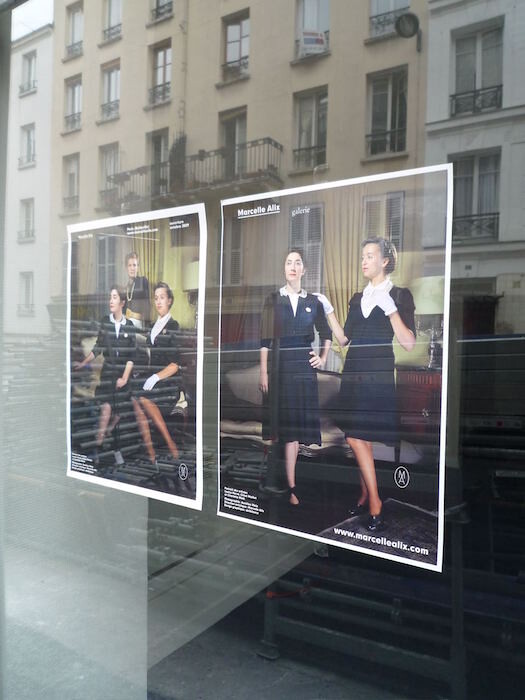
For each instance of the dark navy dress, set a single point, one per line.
(162, 352)
(117, 351)
(367, 403)
(298, 398)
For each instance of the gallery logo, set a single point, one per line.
(183, 471)
(402, 477)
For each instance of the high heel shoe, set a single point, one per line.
(375, 523)
(358, 509)
(292, 492)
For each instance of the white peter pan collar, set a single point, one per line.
(368, 301)
(285, 293)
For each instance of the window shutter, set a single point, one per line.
(372, 217)
(306, 233)
(395, 212)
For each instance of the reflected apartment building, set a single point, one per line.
(476, 119)
(191, 101)
(28, 187)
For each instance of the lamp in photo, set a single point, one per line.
(190, 284)
(428, 293)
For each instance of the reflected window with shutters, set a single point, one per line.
(233, 254)
(306, 233)
(384, 216)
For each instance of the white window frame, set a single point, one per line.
(27, 145)
(110, 102)
(318, 101)
(383, 16)
(312, 27)
(373, 79)
(113, 15)
(237, 50)
(475, 208)
(71, 178)
(75, 21)
(26, 231)
(109, 159)
(28, 83)
(384, 222)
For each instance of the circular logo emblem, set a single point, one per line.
(402, 477)
(183, 471)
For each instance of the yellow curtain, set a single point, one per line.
(342, 246)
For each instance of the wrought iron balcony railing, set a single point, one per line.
(110, 110)
(385, 23)
(161, 10)
(160, 93)
(27, 159)
(72, 121)
(75, 49)
(25, 88)
(246, 161)
(27, 235)
(308, 158)
(476, 100)
(110, 33)
(475, 228)
(392, 141)
(251, 161)
(235, 69)
(311, 45)
(70, 204)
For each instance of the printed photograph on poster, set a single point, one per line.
(333, 362)
(135, 353)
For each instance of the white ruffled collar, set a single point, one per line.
(368, 302)
(285, 293)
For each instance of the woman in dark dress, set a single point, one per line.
(367, 407)
(137, 293)
(116, 340)
(290, 317)
(161, 388)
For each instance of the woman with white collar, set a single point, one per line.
(161, 387)
(290, 317)
(116, 341)
(367, 407)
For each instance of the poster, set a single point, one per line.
(135, 322)
(332, 409)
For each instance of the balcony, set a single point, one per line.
(475, 228)
(27, 160)
(112, 33)
(26, 88)
(109, 110)
(312, 44)
(309, 158)
(385, 23)
(249, 166)
(75, 49)
(159, 94)
(162, 10)
(476, 101)
(245, 164)
(234, 70)
(27, 235)
(72, 121)
(393, 141)
(70, 204)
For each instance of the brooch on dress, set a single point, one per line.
(308, 309)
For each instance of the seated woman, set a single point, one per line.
(117, 342)
(161, 387)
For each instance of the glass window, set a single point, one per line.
(110, 107)
(26, 231)
(161, 80)
(28, 83)
(26, 305)
(237, 47)
(27, 146)
(75, 32)
(476, 201)
(388, 112)
(112, 20)
(71, 175)
(383, 16)
(311, 115)
(312, 27)
(233, 134)
(73, 94)
(109, 167)
(161, 9)
(478, 79)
